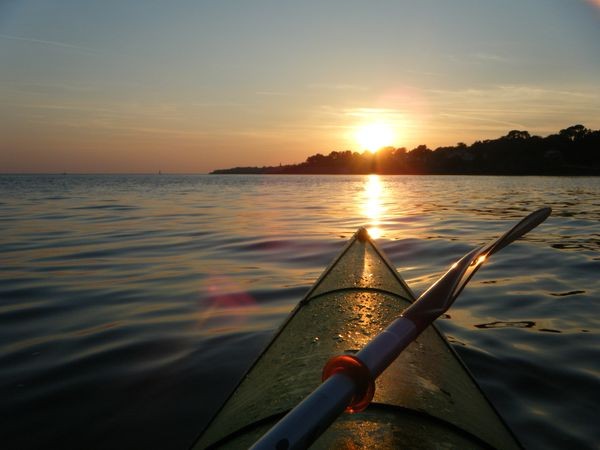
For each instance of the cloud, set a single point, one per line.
(338, 87)
(491, 57)
(480, 117)
(272, 93)
(497, 109)
(381, 114)
(57, 44)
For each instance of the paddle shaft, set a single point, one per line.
(325, 404)
(315, 414)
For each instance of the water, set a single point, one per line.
(130, 305)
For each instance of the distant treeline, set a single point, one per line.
(572, 151)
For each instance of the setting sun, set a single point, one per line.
(374, 136)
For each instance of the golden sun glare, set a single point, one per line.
(374, 136)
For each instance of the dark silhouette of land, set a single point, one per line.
(572, 151)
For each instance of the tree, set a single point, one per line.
(574, 133)
(517, 135)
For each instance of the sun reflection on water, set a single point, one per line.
(372, 206)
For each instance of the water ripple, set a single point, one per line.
(132, 304)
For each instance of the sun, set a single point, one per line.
(374, 136)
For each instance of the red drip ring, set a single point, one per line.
(354, 368)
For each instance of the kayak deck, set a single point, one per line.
(425, 399)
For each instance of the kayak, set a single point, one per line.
(426, 399)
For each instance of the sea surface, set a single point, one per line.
(130, 305)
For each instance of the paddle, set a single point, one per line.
(349, 380)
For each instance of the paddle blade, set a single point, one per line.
(523, 227)
(440, 296)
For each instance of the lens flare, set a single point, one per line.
(223, 306)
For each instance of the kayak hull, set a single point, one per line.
(425, 399)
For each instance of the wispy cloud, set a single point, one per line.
(426, 73)
(491, 57)
(219, 104)
(513, 94)
(494, 110)
(479, 117)
(45, 42)
(272, 93)
(30, 88)
(338, 87)
(383, 114)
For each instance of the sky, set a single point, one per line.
(192, 86)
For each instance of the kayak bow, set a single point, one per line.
(426, 398)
